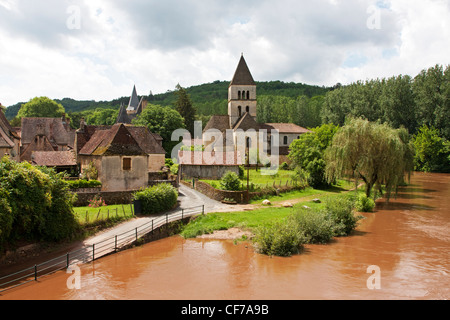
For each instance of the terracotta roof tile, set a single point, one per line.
(54, 158)
(286, 128)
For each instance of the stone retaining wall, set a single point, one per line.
(238, 196)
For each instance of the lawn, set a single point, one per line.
(86, 215)
(266, 215)
(341, 186)
(259, 180)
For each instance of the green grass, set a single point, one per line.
(88, 215)
(246, 220)
(341, 186)
(260, 180)
(249, 220)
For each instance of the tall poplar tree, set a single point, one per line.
(185, 108)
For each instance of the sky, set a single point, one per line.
(99, 49)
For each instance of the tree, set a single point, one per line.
(184, 106)
(376, 153)
(41, 107)
(35, 204)
(432, 93)
(163, 121)
(432, 151)
(307, 153)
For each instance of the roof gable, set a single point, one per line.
(52, 128)
(246, 122)
(122, 140)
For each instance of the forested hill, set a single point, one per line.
(209, 98)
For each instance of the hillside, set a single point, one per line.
(209, 98)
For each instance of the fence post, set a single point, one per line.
(68, 259)
(203, 210)
(136, 234)
(93, 252)
(35, 272)
(115, 244)
(167, 218)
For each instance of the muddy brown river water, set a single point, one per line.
(407, 240)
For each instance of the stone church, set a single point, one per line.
(239, 130)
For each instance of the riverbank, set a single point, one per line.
(32, 254)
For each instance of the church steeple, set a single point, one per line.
(134, 101)
(241, 94)
(242, 76)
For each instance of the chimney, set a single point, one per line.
(82, 124)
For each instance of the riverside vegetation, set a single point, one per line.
(284, 231)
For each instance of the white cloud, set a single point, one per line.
(157, 44)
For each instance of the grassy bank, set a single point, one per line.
(260, 217)
(89, 215)
(283, 231)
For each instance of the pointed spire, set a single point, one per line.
(123, 115)
(242, 76)
(134, 100)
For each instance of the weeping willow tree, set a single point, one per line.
(373, 152)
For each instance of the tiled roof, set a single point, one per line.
(285, 128)
(54, 158)
(246, 122)
(6, 132)
(53, 128)
(122, 140)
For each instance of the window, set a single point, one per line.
(247, 109)
(126, 164)
(240, 111)
(239, 95)
(248, 95)
(285, 140)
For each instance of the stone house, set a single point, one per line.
(208, 165)
(123, 155)
(9, 139)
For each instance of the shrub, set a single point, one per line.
(280, 239)
(315, 225)
(174, 169)
(364, 204)
(340, 211)
(230, 181)
(241, 172)
(6, 219)
(38, 202)
(284, 166)
(157, 199)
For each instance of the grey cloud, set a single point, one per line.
(174, 24)
(44, 22)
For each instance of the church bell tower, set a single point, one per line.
(241, 94)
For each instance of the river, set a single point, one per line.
(407, 240)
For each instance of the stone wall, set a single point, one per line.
(215, 194)
(238, 196)
(207, 172)
(110, 197)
